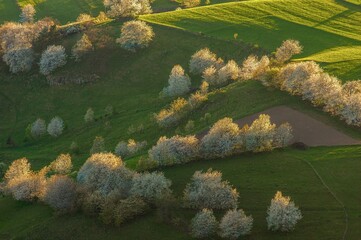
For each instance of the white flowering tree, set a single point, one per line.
(201, 60)
(19, 59)
(60, 193)
(286, 51)
(127, 8)
(27, 14)
(234, 224)
(89, 115)
(228, 72)
(62, 164)
(52, 58)
(105, 173)
(221, 140)
(283, 215)
(38, 128)
(174, 150)
(83, 46)
(135, 34)
(179, 83)
(207, 190)
(283, 135)
(151, 186)
(55, 127)
(204, 224)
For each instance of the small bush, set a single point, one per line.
(27, 14)
(287, 50)
(171, 116)
(202, 60)
(89, 115)
(74, 148)
(62, 164)
(146, 164)
(83, 46)
(98, 145)
(38, 128)
(191, 3)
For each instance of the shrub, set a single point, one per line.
(135, 34)
(283, 135)
(125, 210)
(189, 126)
(259, 136)
(62, 164)
(91, 202)
(83, 46)
(124, 149)
(109, 110)
(191, 3)
(105, 172)
(127, 8)
(83, 17)
(121, 149)
(146, 164)
(234, 224)
(74, 148)
(207, 190)
(19, 59)
(204, 224)
(27, 14)
(38, 128)
(221, 140)
(196, 100)
(179, 83)
(98, 145)
(52, 58)
(55, 127)
(60, 193)
(89, 115)
(287, 50)
(228, 72)
(202, 60)
(151, 186)
(283, 215)
(174, 150)
(171, 116)
(204, 88)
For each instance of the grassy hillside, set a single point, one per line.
(318, 25)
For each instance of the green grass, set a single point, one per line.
(318, 25)
(9, 10)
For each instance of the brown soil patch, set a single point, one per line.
(305, 128)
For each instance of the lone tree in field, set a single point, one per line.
(38, 128)
(52, 58)
(83, 46)
(204, 224)
(234, 224)
(55, 127)
(179, 83)
(207, 190)
(135, 34)
(287, 50)
(89, 115)
(283, 215)
(19, 59)
(27, 14)
(60, 193)
(201, 60)
(127, 8)
(98, 145)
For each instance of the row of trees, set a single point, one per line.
(225, 138)
(105, 187)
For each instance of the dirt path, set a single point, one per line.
(305, 128)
